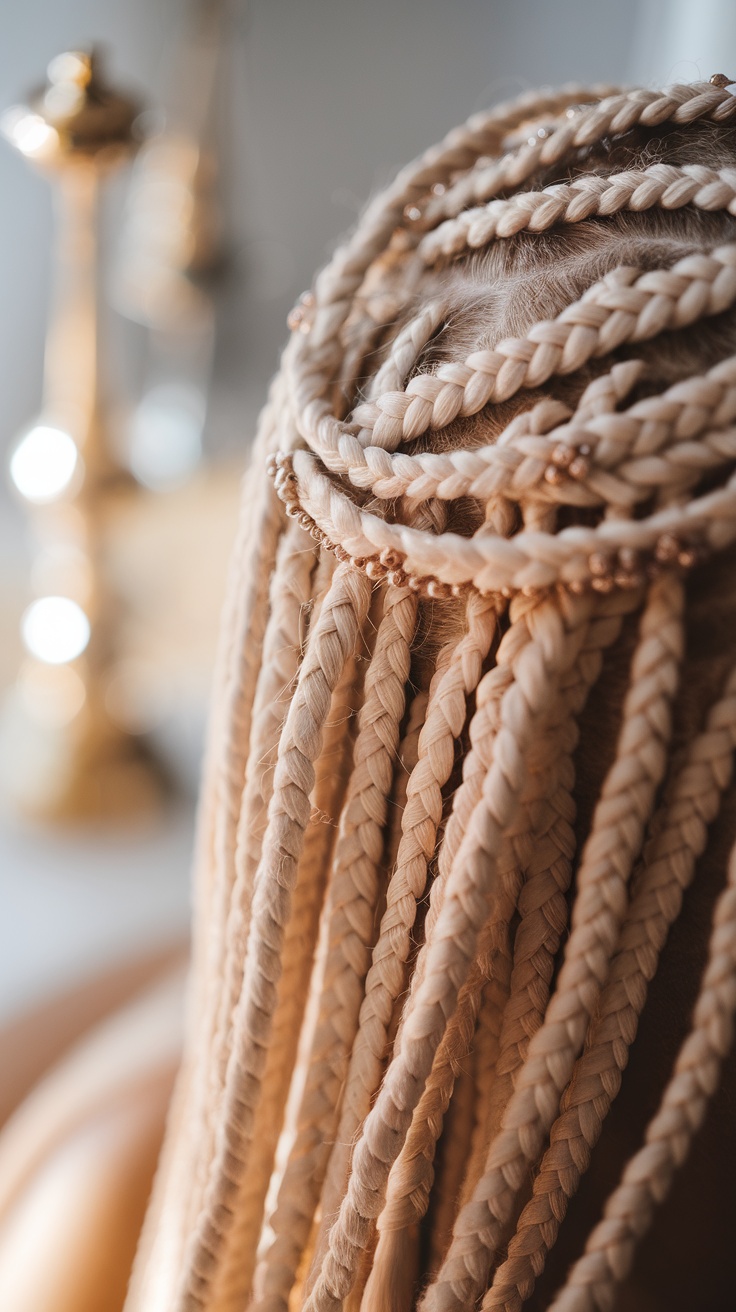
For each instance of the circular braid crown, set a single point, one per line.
(618, 462)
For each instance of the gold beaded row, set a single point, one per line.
(626, 568)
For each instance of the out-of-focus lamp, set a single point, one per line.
(74, 758)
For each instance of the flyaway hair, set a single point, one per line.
(466, 753)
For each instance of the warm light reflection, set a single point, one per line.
(55, 629)
(73, 66)
(52, 694)
(166, 435)
(43, 463)
(28, 132)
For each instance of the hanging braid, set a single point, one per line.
(648, 1176)
(457, 675)
(281, 651)
(299, 947)
(336, 635)
(353, 898)
(546, 865)
(412, 1177)
(670, 862)
(503, 435)
(616, 836)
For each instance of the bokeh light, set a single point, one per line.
(28, 132)
(55, 630)
(43, 463)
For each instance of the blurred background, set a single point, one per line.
(266, 126)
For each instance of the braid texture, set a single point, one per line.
(456, 679)
(670, 863)
(662, 185)
(300, 943)
(648, 1176)
(503, 432)
(338, 628)
(281, 654)
(547, 867)
(352, 901)
(536, 674)
(413, 1175)
(616, 836)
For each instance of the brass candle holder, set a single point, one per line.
(74, 760)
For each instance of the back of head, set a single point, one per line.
(474, 727)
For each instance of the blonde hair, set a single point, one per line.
(456, 509)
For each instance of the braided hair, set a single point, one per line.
(462, 764)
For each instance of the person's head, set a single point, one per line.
(504, 433)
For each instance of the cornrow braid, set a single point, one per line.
(663, 185)
(582, 126)
(454, 791)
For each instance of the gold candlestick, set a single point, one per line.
(78, 761)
